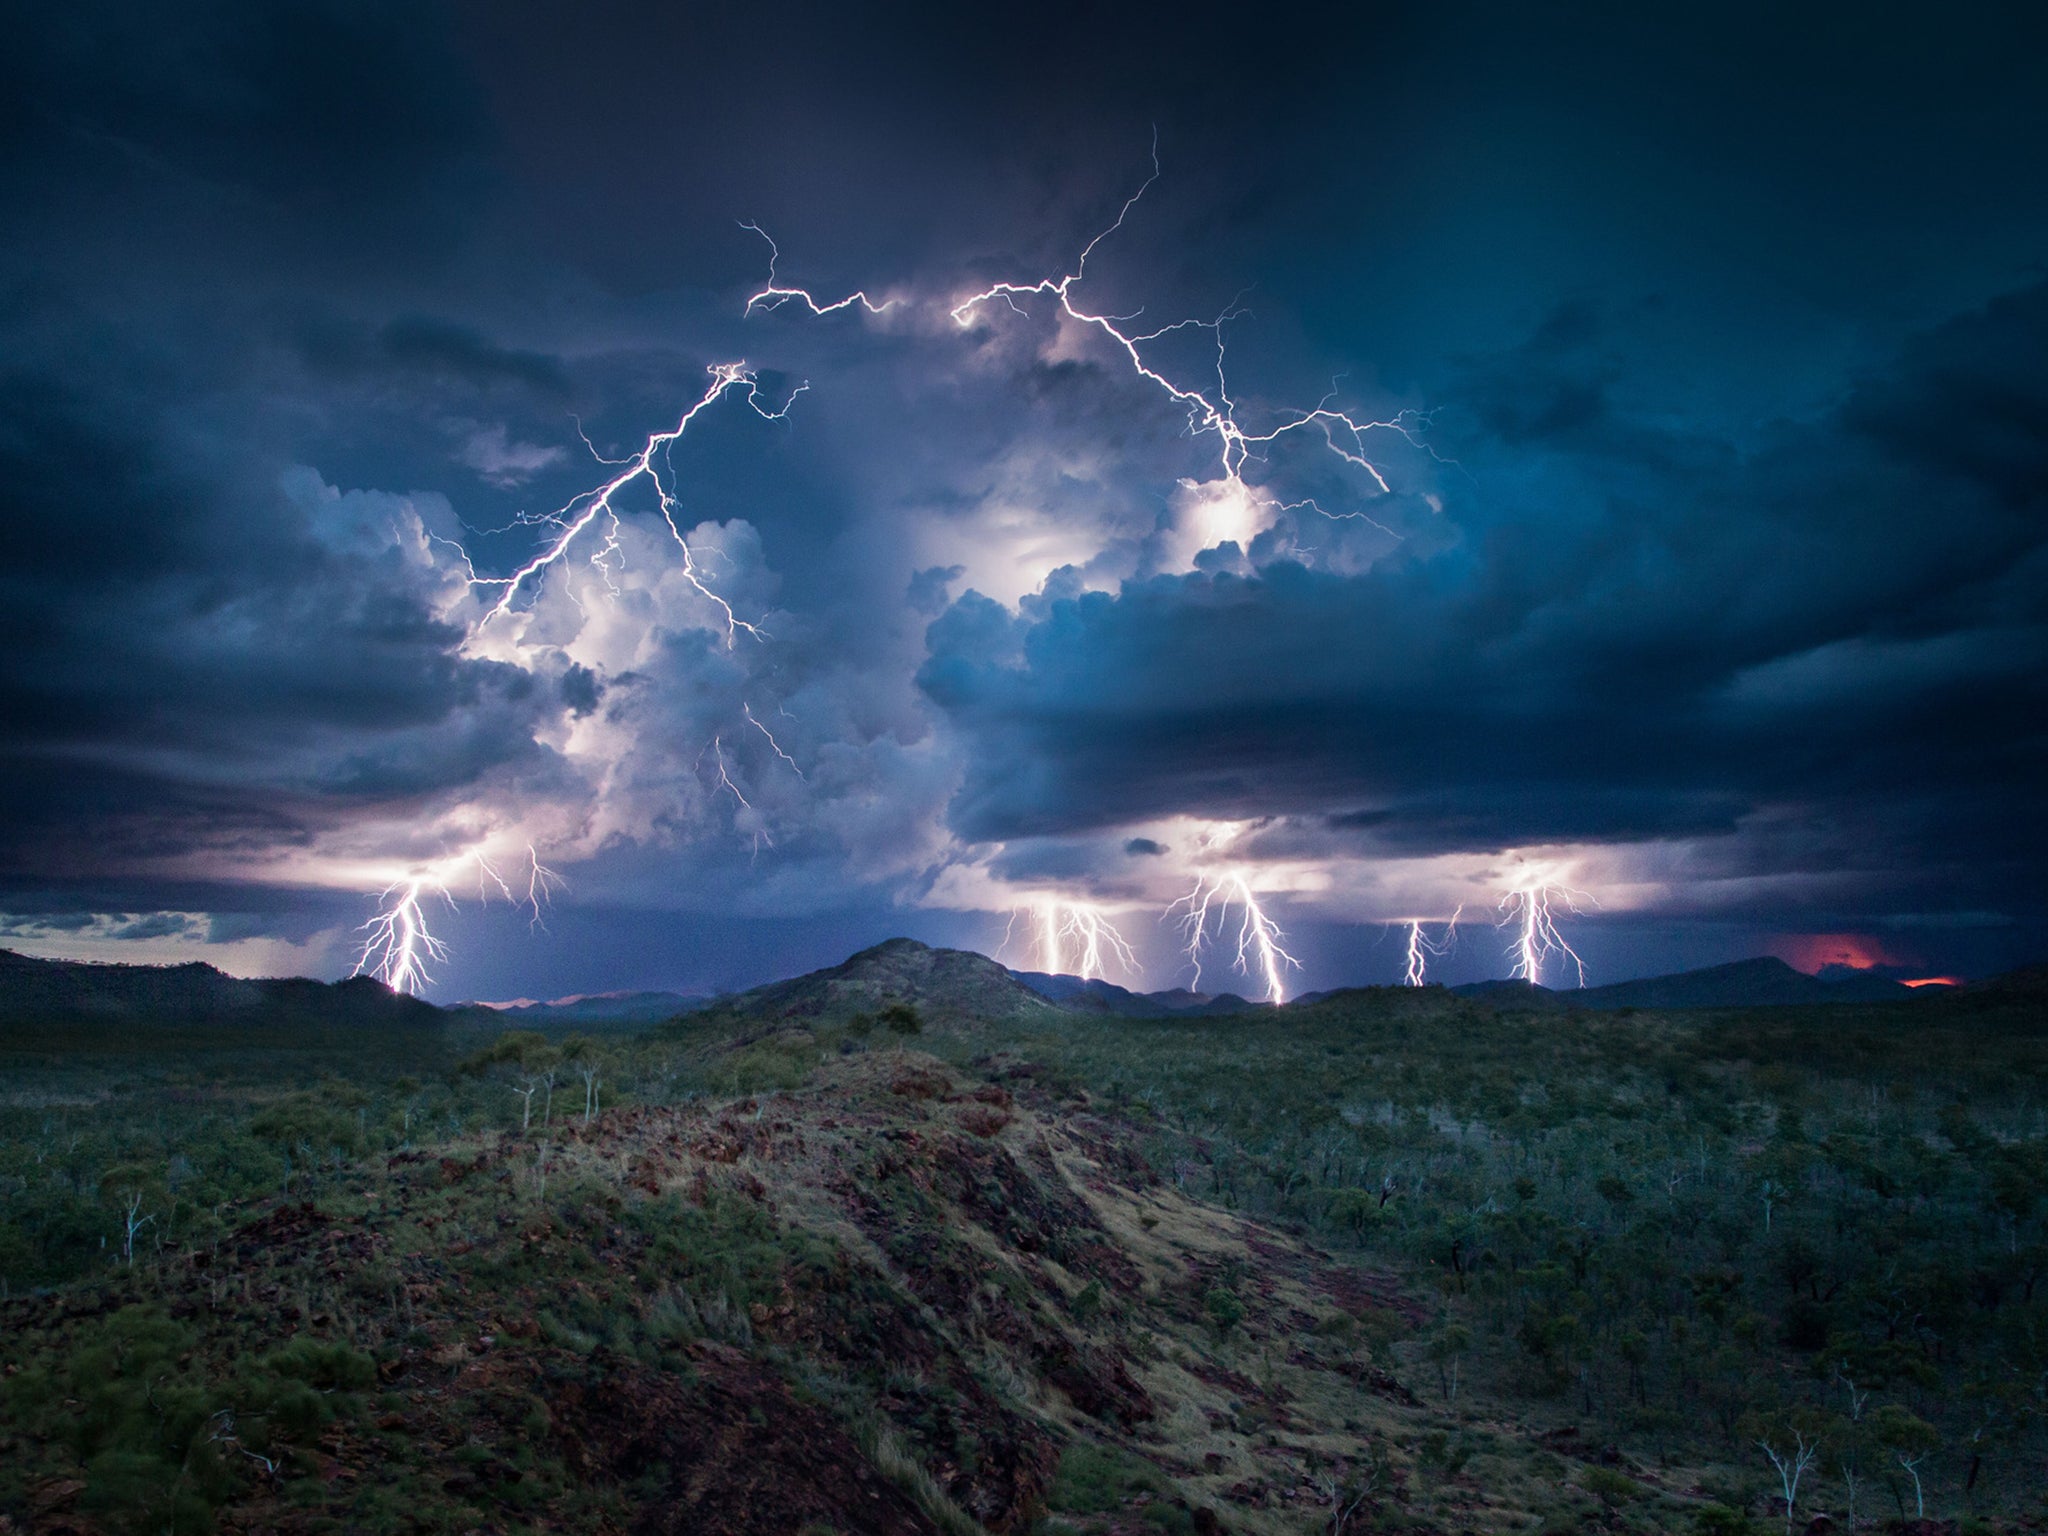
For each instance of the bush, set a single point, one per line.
(1223, 1309)
(1720, 1520)
(1098, 1479)
(327, 1366)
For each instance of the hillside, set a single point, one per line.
(902, 1247)
(67, 992)
(598, 1009)
(953, 988)
(1764, 982)
(1099, 996)
(907, 1300)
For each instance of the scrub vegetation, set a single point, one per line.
(902, 1247)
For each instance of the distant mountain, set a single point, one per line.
(1765, 982)
(1106, 997)
(2028, 982)
(71, 992)
(949, 987)
(600, 1008)
(1516, 994)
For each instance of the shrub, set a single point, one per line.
(329, 1366)
(1223, 1309)
(1098, 1479)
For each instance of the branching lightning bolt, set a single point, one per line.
(1092, 932)
(1259, 939)
(540, 887)
(1210, 408)
(398, 945)
(1531, 910)
(1422, 949)
(773, 296)
(1096, 941)
(598, 507)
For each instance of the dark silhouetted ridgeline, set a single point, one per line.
(1765, 982)
(599, 1010)
(77, 993)
(1102, 996)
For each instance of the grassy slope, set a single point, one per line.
(810, 1271)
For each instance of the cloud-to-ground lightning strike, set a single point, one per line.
(1096, 941)
(1531, 910)
(1422, 949)
(1259, 939)
(1210, 408)
(398, 944)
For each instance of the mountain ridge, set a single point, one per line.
(1763, 981)
(83, 992)
(1098, 995)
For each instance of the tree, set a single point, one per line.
(1851, 1431)
(1909, 1441)
(580, 1051)
(134, 1187)
(1447, 1349)
(903, 1019)
(1791, 1463)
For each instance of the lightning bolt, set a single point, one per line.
(1259, 939)
(1531, 909)
(1210, 409)
(1421, 949)
(598, 508)
(772, 296)
(776, 746)
(1092, 932)
(398, 946)
(540, 887)
(399, 943)
(1055, 922)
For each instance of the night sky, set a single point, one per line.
(1709, 578)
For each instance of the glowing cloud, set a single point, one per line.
(1227, 507)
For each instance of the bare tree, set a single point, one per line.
(588, 1072)
(1911, 1440)
(1851, 1472)
(525, 1095)
(133, 1222)
(1911, 1463)
(1791, 1464)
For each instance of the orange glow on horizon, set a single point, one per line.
(1933, 981)
(1809, 952)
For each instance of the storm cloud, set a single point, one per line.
(1709, 560)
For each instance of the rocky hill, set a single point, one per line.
(908, 1299)
(904, 1247)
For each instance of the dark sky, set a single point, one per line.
(1709, 578)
